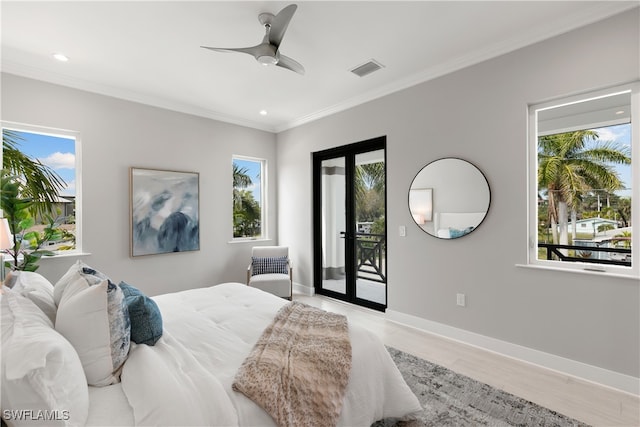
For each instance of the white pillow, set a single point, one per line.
(73, 274)
(41, 372)
(35, 287)
(94, 318)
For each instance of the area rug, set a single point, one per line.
(449, 399)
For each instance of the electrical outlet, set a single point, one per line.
(461, 300)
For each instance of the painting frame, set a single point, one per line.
(164, 211)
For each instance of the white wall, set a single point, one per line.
(480, 114)
(119, 134)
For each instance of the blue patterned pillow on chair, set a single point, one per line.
(269, 265)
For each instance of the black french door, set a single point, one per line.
(350, 233)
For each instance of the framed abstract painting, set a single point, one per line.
(164, 211)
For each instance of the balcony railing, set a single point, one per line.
(370, 257)
(554, 252)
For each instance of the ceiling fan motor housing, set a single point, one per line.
(266, 54)
(266, 18)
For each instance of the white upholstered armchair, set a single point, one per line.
(271, 271)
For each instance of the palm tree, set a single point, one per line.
(42, 184)
(241, 180)
(240, 177)
(369, 176)
(246, 216)
(626, 239)
(624, 210)
(246, 211)
(572, 163)
(369, 190)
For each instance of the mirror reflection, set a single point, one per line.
(449, 198)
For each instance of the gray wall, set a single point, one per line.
(480, 114)
(118, 134)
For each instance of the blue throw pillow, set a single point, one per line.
(268, 265)
(146, 320)
(455, 233)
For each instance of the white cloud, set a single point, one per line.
(59, 160)
(70, 190)
(606, 134)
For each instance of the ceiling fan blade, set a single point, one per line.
(290, 64)
(280, 23)
(253, 51)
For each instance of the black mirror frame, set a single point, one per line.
(476, 226)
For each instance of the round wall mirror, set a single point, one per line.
(449, 198)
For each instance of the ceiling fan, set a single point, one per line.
(268, 52)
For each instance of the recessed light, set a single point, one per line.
(620, 112)
(60, 57)
(263, 112)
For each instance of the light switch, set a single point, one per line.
(461, 300)
(402, 230)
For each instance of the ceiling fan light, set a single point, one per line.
(267, 60)
(60, 57)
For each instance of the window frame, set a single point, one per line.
(263, 199)
(532, 166)
(68, 134)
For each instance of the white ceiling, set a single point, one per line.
(149, 51)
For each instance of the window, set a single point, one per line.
(248, 198)
(45, 164)
(583, 171)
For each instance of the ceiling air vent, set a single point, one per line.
(367, 68)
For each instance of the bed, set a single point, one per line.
(184, 378)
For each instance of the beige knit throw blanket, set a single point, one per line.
(299, 369)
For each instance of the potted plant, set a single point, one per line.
(27, 243)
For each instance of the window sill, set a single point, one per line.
(578, 271)
(249, 240)
(67, 254)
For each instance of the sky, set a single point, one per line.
(54, 151)
(620, 134)
(253, 170)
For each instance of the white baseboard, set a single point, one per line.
(581, 370)
(302, 289)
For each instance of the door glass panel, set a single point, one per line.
(370, 242)
(333, 224)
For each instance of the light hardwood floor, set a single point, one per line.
(585, 401)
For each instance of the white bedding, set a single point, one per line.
(185, 379)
